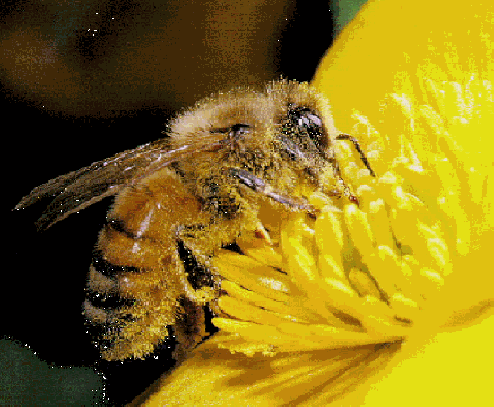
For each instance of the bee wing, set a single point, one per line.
(79, 189)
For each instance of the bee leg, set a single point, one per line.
(195, 278)
(357, 147)
(257, 184)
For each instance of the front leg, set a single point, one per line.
(259, 185)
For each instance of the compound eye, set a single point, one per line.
(303, 120)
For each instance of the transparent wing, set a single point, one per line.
(79, 189)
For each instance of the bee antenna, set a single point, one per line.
(357, 147)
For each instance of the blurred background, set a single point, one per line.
(81, 81)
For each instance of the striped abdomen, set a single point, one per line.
(143, 279)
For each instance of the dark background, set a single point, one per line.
(48, 131)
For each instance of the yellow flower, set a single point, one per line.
(378, 303)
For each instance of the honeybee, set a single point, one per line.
(181, 198)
